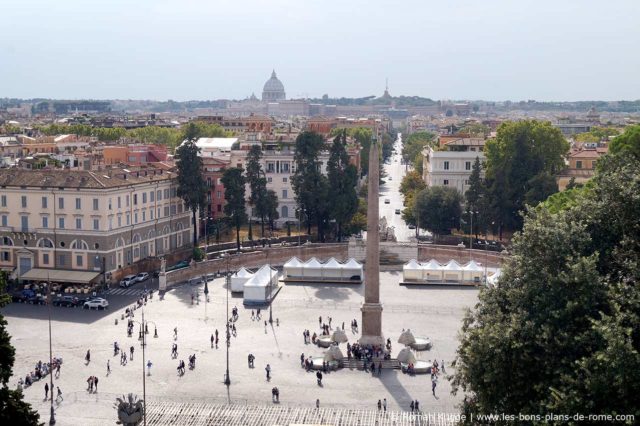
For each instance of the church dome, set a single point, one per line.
(273, 89)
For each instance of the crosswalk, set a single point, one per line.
(126, 291)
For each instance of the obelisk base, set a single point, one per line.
(371, 324)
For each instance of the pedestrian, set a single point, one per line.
(329, 322)
(95, 383)
(57, 373)
(433, 385)
(342, 325)
(149, 364)
(320, 321)
(268, 370)
(108, 368)
(317, 403)
(384, 405)
(175, 333)
(417, 404)
(212, 340)
(131, 350)
(411, 405)
(302, 359)
(46, 391)
(379, 368)
(265, 327)
(59, 396)
(380, 405)
(90, 384)
(88, 356)
(216, 339)
(443, 366)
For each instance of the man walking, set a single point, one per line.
(411, 405)
(212, 340)
(268, 370)
(131, 350)
(149, 364)
(384, 405)
(433, 385)
(380, 405)
(95, 384)
(175, 333)
(108, 368)
(59, 396)
(46, 391)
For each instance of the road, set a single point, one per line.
(395, 171)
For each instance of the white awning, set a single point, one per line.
(59, 276)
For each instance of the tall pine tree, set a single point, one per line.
(343, 178)
(234, 192)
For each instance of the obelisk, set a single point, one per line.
(372, 309)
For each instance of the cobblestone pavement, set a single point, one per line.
(435, 312)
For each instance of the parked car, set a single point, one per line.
(66, 301)
(412, 227)
(142, 276)
(97, 303)
(387, 201)
(127, 281)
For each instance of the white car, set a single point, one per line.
(127, 281)
(142, 276)
(97, 303)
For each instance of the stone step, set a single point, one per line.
(389, 364)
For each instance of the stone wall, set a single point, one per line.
(150, 264)
(275, 256)
(444, 254)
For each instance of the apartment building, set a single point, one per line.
(82, 221)
(451, 164)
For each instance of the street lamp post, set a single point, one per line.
(270, 291)
(471, 213)
(52, 417)
(143, 337)
(227, 379)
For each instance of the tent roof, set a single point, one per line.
(262, 277)
(313, 262)
(332, 263)
(452, 265)
(472, 266)
(432, 264)
(352, 263)
(243, 273)
(294, 261)
(412, 264)
(59, 275)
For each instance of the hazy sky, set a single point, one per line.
(210, 49)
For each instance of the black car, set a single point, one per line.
(66, 301)
(37, 300)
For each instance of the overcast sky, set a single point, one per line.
(211, 49)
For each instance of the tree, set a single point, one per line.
(412, 182)
(13, 409)
(559, 333)
(627, 143)
(191, 187)
(473, 196)
(437, 209)
(413, 146)
(515, 159)
(234, 191)
(343, 178)
(257, 183)
(309, 184)
(271, 208)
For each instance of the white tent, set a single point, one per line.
(239, 279)
(258, 289)
(332, 269)
(412, 270)
(432, 270)
(452, 271)
(312, 268)
(352, 268)
(293, 268)
(473, 271)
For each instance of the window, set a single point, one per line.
(127, 200)
(128, 219)
(24, 201)
(44, 202)
(109, 203)
(78, 223)
(79, 260)
(284, 193)
(96, 224)
(467, 165)
(219, 209)
(173, 209)
(209, 182)
(152, 195)
(285, 211)
(284, 180)
(173, 192)
(446, 182)
(446, 165)
(119, 221)
(95, 204)
(61, 259)
(159, 213)
(285, 168)
(135, 217)
(25, 223)
(78, 204)
(144, 216)
(45, 222)
(61, 222)
(578, 164)
(144, 197)
(110, 223)
(4, 220)
(96, 262)
(218, 194)
(166, 211)
(269, 180)
(135, 199)
(61, 203)
(159, 195)
(5, 256)
(166, 193)
(45, 258)
(119, 203)
(3, 201)
(151, 214)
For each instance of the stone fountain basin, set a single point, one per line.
(316, 364)
(324, 341)
(421, 344)
(419, 367)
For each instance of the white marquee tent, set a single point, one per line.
(332, 269)
(452, 271)
(312, 268)
(293, 268)
(432, 271)
(412, 270)
(258, 289)
(239, 279)
(352, 268)
(473, 271)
